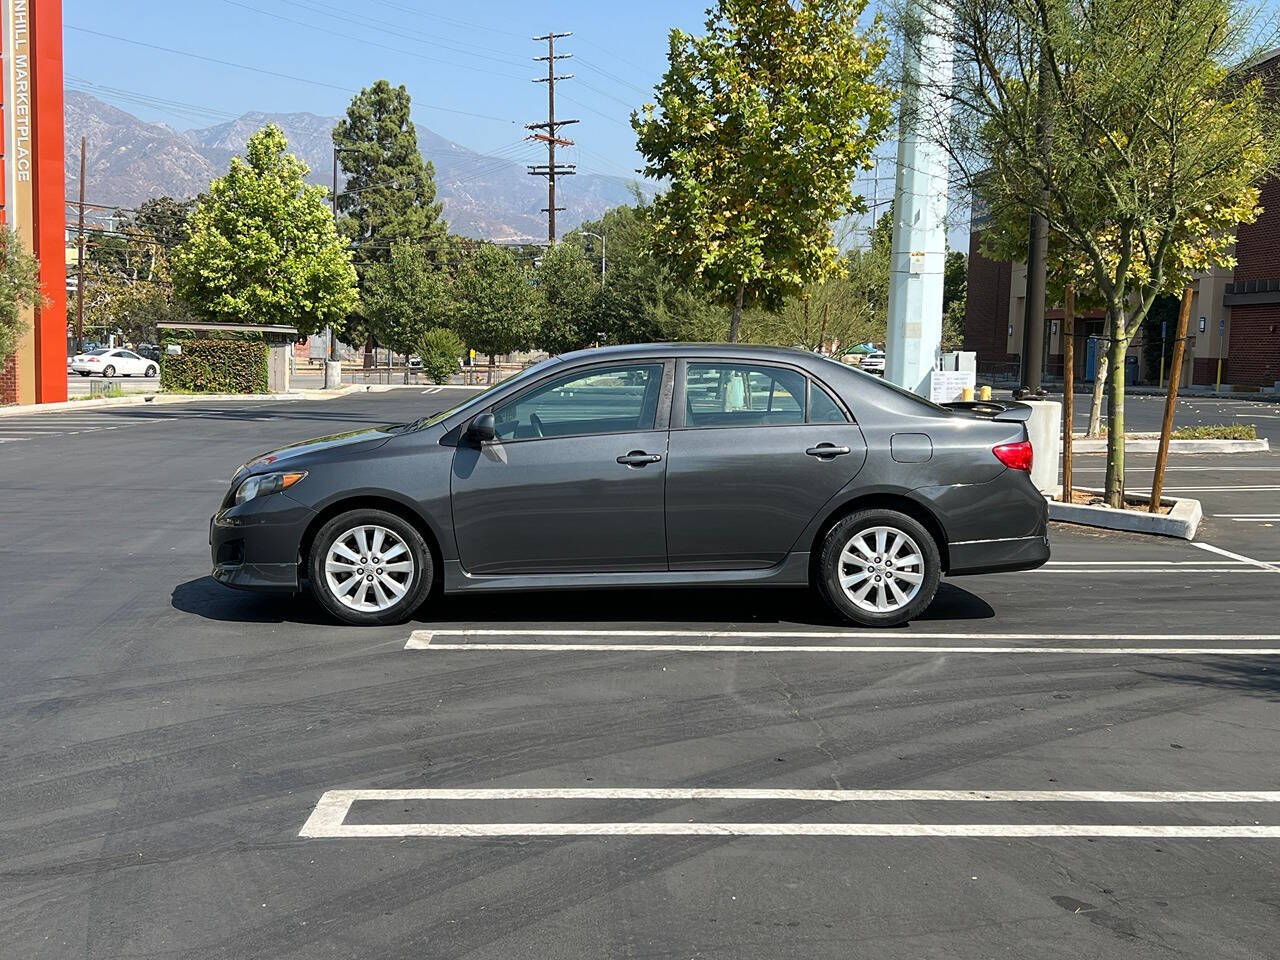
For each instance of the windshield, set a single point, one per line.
(473, 400)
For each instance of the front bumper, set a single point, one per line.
(255, 546)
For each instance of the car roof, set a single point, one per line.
(747, 351)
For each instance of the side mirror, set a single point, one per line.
(481, 429)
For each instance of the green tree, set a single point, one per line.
(19, 289)
(405, 297)
(263, 248)
(440, 350)
(494, 310)
(759, 128)
(390, 191)
(567, 292)
(1123, 124)
(643, 300)
(128, 275)
(955, 297)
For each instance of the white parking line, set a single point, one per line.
(427, 640)
(423, 637)
(776, 648)
(328, 819)
(1236, 556)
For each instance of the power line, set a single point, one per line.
(371, 43)
(400, 31)
(269, 73)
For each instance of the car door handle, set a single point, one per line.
(638, 458)
(827, 451)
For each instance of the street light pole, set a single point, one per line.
(333, 201)
(600, 237)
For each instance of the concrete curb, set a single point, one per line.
(1182, 521)
(138, 399)
(1148, 445)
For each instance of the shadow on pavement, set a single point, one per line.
(1259, 676)
(210, 600)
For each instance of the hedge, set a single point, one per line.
(232, 364)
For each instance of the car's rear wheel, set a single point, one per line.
(878, 568)
(108, 371)
(370, 567)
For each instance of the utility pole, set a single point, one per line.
(918, 257)
(80, 259)
(551, 170)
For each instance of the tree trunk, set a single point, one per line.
(735, 319)
(1114, 493)
(1100, 365)
(492, 363)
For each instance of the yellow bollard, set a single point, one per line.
(1217, 387)
(984, 393)
(966, 394)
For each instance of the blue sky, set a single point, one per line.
(473, 59)
(468, 67)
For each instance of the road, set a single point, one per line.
(163, 741)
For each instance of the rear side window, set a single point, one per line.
(754, 395)
(742, 395)
(823, 407)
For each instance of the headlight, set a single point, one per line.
(264, 483)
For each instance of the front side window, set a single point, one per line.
(616, 399)
(742, 395)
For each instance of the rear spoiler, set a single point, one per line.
(1008, 411)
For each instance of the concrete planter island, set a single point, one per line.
(1150, 443)
(1181, 521)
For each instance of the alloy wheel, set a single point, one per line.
(369, 568)
(881, 569)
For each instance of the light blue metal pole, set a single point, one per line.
(920, 204)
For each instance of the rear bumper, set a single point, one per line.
(997, 556)
(255, 546)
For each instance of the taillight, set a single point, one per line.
(91, 360)
(1015, 456)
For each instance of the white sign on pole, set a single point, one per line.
(946, 386)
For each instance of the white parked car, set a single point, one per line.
(114, 362)
(873, 363)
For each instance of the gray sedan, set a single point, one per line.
(660, 465)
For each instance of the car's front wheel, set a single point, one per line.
(879, 568)
(370, 567)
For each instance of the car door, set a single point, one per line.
(573, 481)
(756, 450)
(130, 363)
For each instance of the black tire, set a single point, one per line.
(83, 373)
(418, 587)
(108, 371)
(150, 371)
(829, 568)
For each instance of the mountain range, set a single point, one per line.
(485, 196)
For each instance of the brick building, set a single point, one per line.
(1235, 314)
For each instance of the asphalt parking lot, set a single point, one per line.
(1077, 762)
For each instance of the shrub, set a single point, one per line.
(236, 363)
(440, 349)
(1217, 431)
